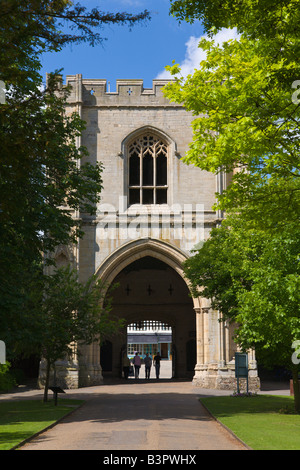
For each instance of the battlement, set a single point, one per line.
(96, 92)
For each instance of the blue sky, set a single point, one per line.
(141, 53)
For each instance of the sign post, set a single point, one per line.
(241, 368)
(2, 352)
(55, 391)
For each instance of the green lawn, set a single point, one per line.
(260, 421)
(19, 420)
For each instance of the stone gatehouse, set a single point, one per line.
(154, 209)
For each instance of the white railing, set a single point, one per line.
(152, 326)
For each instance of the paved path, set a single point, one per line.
(138, 415)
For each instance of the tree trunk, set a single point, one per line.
(47, 382)
(296, 389)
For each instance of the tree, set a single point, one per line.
(246, 121)
(44, 178)
(270, 311)
(246, 124)
(72, 313)
(30, 28)
(215, 271)
(262, 19)
(41, 186)
(247, 109)
(254, 280)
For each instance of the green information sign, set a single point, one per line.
(241, 368)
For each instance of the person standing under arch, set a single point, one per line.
(148, 363)
(137, 365)
(126, 366)
(156, 362)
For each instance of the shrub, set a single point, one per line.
(7, 381)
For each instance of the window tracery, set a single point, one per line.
(148, 164)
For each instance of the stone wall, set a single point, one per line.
(120, 234)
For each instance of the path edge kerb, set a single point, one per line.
(225, 427)
(28, 439)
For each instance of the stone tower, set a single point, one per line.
(154, 210)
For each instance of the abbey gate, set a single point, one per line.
(154, 210)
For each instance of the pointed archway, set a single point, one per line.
(151, 287)
(136, 249)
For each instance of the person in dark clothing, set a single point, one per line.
(156, 362)
(148, 363)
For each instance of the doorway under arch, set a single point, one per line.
(149, 337)
(150, 289)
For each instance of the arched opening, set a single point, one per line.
(148, 165)
(149, 338)
(147, 169)
(150, 292)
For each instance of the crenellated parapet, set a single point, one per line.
(131, 92)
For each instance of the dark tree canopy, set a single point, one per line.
(31, 27)
(44, 178)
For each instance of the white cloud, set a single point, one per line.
(130, 3)
(194, 55)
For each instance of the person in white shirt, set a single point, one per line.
(137, 365)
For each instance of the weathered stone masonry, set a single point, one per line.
(120, 235)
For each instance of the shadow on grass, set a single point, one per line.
(223, 407)
(261, 422)
(10, 439)
(19, 420)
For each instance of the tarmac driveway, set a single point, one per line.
(137, 415)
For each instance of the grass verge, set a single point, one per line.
(263, 422)
(20, 420)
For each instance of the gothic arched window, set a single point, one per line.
(148, 175)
